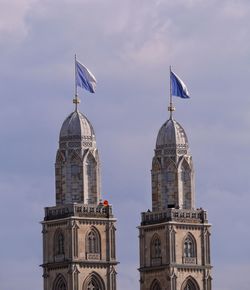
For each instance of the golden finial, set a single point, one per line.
(76, 101)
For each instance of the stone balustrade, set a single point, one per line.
(173, 214)
(78, 209)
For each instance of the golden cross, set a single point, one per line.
(76, 101)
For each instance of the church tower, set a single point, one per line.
(174, 236)
(79, 232)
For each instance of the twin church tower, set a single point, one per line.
(79, 245)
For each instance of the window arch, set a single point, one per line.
(155, 285)
(190, 284)
(171, 173)
(186, 184)
(189, 246)
(155, 247)
(58, 243)
(93, 244)
(59, 283)
(112, 237)
(91, 172)
(185, 171)
(93, 282)
(156, 164)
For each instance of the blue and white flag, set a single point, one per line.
(178, 88)
(84, 78)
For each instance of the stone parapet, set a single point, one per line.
(174, 215)
(80, 210)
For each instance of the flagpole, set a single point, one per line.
(170, 93)
(76, 100)
(171, 108)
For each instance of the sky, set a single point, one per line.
(129, 46)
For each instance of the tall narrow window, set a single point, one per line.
(189, 249)
(91, 171)
(173, 246)
(186, 185)
(93, 244)
(156, 248)
(171, 173)
(59, 243)
(112, 236)
(207, 239)
(75, 171)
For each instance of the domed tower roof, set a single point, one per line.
(75, 126)
(77, 132)
(171, 135)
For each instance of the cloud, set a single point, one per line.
(13, 19)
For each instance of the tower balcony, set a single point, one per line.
(79, 210)
(174, 215)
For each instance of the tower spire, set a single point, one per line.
(171, 108)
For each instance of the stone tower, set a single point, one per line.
(79, 232)
(174, 236)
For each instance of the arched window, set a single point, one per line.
(91, 171)
(171, 173)
(190, 284)
(189, 250)
(186, 185)
(156, 164)
(185, 171)
(59, 283)
(59, 243)
(155, 285)
(93, 285)
(93, 282)
(156, 247)
(112, 236)
(207, 247)
(75, 172)
(93, 242)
